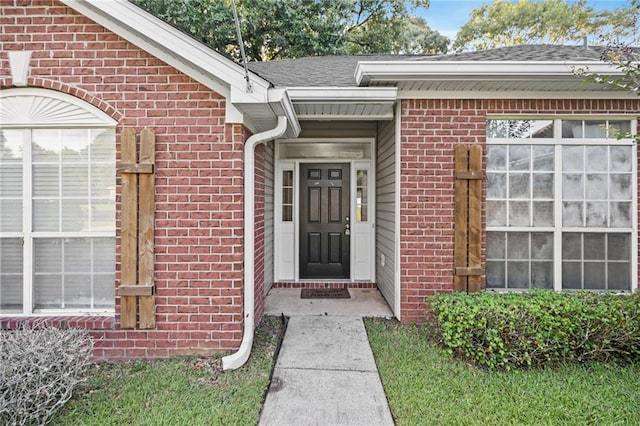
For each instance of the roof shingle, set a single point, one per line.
(338, 71)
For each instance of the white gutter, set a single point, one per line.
(368, 72)
(237, 359)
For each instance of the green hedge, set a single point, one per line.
(537, 328)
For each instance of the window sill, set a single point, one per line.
(88, 321)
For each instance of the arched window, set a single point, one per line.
(57, 204)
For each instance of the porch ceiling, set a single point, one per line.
(370, 103)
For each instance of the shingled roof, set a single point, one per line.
(317, 71)
(533, 52)
(338, 71)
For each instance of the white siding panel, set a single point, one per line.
(385, 211)
(362, 258)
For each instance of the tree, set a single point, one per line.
(275, 29)
(626, 58)
(623, 56)
(503, 23)
(421, 39)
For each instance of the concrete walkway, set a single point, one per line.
(325, 375)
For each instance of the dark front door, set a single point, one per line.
(324, 221)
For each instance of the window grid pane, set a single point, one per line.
(11, 275)
(520, 184)
(596, 261)
(597, 186)
(596, 193)
(11, 180)
(519, 260)
(68, 273)
(72, 190)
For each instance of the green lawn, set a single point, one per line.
(424, 385)
(178, 391)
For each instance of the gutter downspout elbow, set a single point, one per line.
(237, 359)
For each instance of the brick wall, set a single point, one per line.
(259, 202)
(199, 219)
(430, 129)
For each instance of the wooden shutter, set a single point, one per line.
(137, 242)
(468, 223)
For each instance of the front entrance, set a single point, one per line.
(325, 226)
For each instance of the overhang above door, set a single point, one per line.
(370, 103)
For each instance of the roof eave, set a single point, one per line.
(342, 94)
(343, 103)
(171, 46)
(367, 73)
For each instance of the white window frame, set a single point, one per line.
(29, 109)
(558, 143)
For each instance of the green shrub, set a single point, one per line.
(516, 330)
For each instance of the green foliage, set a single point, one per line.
(538, 328)
(627, 60)
(504, 23)
(276, 29)
(420, 39)
(425, 386)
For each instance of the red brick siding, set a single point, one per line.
(430, 129)
(199, 219)
(259, 233)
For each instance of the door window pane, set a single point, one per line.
(362, 202)
(287, 195)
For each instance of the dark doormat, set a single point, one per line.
(325, 293)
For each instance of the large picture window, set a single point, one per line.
(560, 209)
(57, 216)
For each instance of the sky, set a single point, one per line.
(447, 16)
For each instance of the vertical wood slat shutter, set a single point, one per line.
(468, 220)
(137, 241)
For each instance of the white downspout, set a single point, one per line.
(237, 359)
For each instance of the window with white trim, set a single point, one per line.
(57, 214)
(560, 211)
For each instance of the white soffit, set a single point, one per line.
(171, 46)
(340, 103)
(481, 76)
